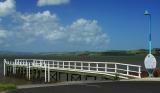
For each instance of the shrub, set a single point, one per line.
(156, 73)
(144, 74)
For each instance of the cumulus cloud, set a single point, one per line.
(45, 28)
(52, 2)
(87, 31)
(7, 7)
(3, 36)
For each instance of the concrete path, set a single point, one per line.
(82, 83)
(143, 79)
(98, 87)
(59, 84)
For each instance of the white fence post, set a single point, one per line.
(57, 64)
(81, 66)
(89, 66)
(41, 63)
(75, 65)
(105, 67)
(17, 62)
(139, 72)
(53, 64)
(14, 67)
(45, 73)
(115, 68)
(69, 64)
(127, 69)
(4, 64)
(48, 72)
(63, 64)
(96, 66)
(29, 70)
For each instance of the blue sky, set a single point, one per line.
(77, 25)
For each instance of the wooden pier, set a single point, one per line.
(53, 69)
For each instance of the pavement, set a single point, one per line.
(144, 79)
(28, 86)
(143, 86)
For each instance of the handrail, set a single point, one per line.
(82, 61)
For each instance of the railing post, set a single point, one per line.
(33, 62)
(45, 73)
(15, 67)
(69, 64)
(127, 69)
(105, 67)
(29, 70)
(89, 66)
(57, 64)
(10, 68)
(48, 72)
(41, 63)
(96, 66)
(75, 65)
(63, 64)
(18, 62)
(4, 64)
(53, 64)
(139, 72)
(115, 68)
(81, 66)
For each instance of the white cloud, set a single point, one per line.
(7, 7)
(52, 2)
(3, 36)
(87, 32)
(40, 25)
(45, 28)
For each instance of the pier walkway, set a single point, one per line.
(46, 67)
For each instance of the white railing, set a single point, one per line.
(104, 68)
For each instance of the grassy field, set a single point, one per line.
(9, 86)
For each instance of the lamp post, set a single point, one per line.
(150, 60)
(146, 13)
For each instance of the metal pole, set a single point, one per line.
(146, 13)
(150, 35)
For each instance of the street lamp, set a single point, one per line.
(146, 13)
(150, 60)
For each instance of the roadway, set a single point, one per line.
(101, 87)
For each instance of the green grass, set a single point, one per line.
(4, 87)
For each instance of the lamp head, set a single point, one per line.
(146, 12)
